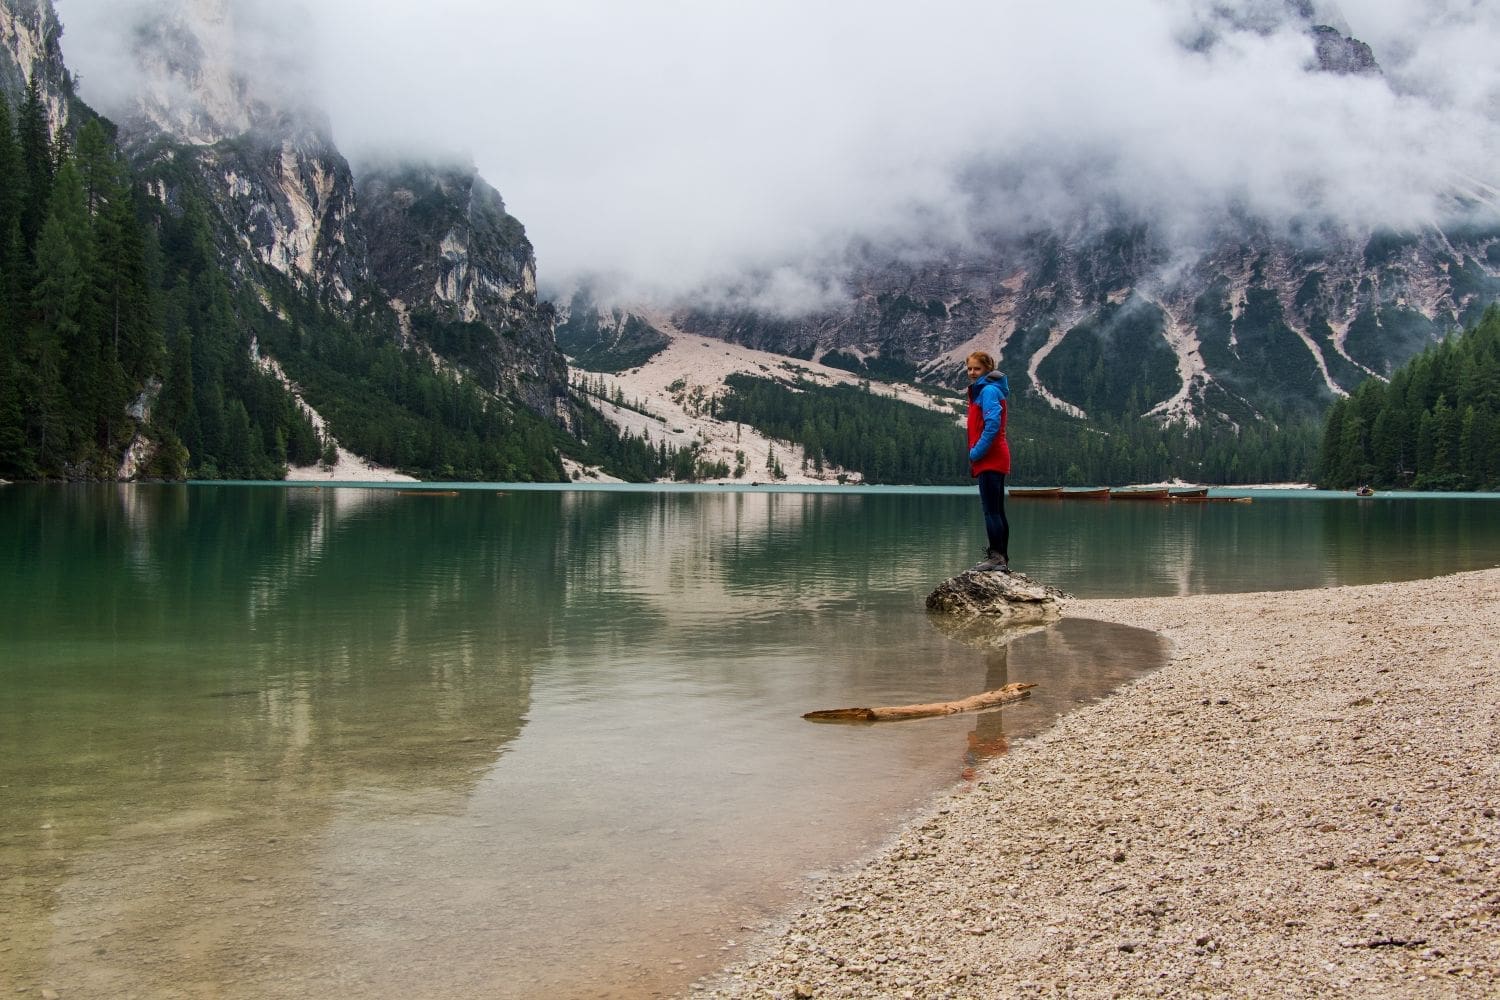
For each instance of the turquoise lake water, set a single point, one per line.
(506, 741)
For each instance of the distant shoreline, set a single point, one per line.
(1303, 800)
(366, 477)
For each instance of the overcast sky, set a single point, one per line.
(673, 144)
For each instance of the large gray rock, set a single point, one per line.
(999, 598)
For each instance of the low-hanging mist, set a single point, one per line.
(666, 148)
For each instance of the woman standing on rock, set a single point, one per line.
(989, 454)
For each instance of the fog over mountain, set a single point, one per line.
(666, 147)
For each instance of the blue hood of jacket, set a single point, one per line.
(997, 379)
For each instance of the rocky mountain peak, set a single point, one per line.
(219, 80)
(1338, 53)
(460, 271)
(213, 96)
(209, 70)
(1335, 50)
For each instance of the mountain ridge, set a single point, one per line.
(1231, 320)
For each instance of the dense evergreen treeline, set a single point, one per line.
(109, 324)
(396, 407)
(889, 441)
(217, 415)
(631, 458)
(886, 440)
(1120, 451)
(1434, 426)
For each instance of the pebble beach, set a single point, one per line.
(1303, 802)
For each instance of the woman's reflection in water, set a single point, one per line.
(988, 737)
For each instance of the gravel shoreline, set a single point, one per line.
(1302, 803)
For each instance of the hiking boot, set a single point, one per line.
(993, 562)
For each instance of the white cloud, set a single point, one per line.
(677, 143)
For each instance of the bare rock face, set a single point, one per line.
(30, 49)
(285, 198)
(607, 338)
(460, 270)
(1338, 53)
(219, 106)
(1009, 598)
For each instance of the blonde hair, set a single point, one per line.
(985, 361)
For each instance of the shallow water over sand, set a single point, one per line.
(259, 741)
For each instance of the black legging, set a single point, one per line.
(992, 499)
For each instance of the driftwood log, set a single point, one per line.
(989, 699)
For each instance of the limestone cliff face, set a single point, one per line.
(190, 85)
(30, 47)
(284, 197)
(611, 339)
(283, 191)
(459, 269)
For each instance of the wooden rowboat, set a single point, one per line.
(1191, 493)
(1045, 492)
(1138, 494)
(1088, 493)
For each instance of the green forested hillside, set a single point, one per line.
(1117, 361)
(114, 321)
(1434, 426)
(889, 441)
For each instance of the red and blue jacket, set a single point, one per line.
(988, 449)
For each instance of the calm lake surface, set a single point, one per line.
(367, 742)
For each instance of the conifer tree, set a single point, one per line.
(12, 177)
(57, 300)
(34, 138)
(99, 168)
(1432, 427)
(12, 312)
